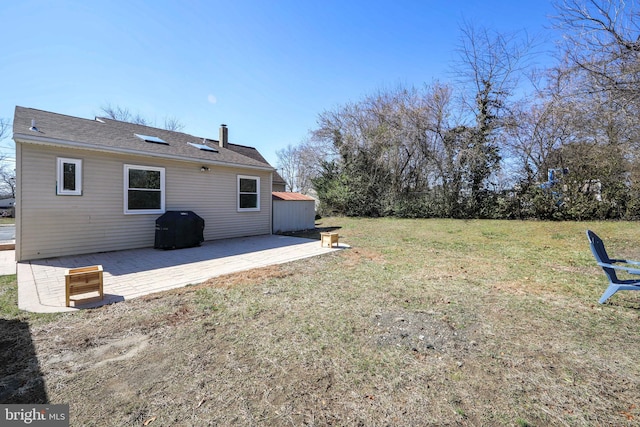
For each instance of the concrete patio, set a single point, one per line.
(133, 273)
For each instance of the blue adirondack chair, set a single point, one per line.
(609, 267)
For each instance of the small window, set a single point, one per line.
(69, 177)
(143, 189)
(248, 193)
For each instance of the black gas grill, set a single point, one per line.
(179, 229)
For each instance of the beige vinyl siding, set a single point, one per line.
(52, 225)
(213, 196)
(279, 187)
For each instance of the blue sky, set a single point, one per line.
(264, 68)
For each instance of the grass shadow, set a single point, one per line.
(21, 380)
(95, 303)
(311, 233)
(624, 303)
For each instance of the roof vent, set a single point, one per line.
(153, 139)
(33, 126)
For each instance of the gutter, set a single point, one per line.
(43, 140)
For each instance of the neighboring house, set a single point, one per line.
(279, 184)
(86, 186)
(7, 203)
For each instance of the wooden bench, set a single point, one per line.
(328, 239)
(84, 280)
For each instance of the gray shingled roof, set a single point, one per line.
(114, 136)
(255, 154)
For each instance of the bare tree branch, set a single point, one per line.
(117, 113)
(5, 128)
(7, 181)
(602, 37)
(123, 114)
(172, 123)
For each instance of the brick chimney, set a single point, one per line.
(224, 136)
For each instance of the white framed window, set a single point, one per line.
(69, 177)
(143, 189)
(248, 193)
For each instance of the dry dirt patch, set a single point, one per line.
(420, 332)
(248, 277)
(355, 256)
(97, 355)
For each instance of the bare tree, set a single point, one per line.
(441, 145)
(602, 37)
(394, 147)
(5, 128)
(123, 114)
(119, 113)
(7, 181)
(289, 165)
(7, 171)
(545, 123)
(300, 164)
(172, 123)
(489, 65)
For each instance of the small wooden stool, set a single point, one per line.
(83, 280)
(328, 239)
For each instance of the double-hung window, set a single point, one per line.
(143, 189)
(248, 193)
(69, 177)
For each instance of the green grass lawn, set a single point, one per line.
(9, 221)
(420, 322)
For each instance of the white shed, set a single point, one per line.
(293, 212)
